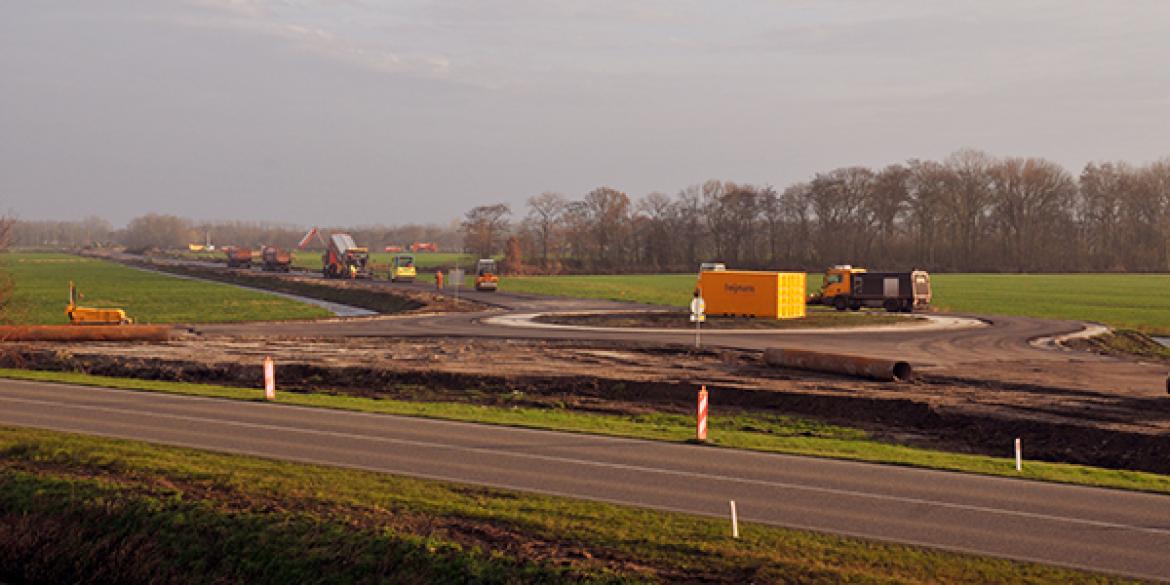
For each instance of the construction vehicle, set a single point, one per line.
(402, 268)
(393, 249)
(424, 247)
(845, 287)
(343, 258)
(486, 275)
(91, 316)
(275, 259)
(238, 257)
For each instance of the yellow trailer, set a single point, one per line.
(744, 293)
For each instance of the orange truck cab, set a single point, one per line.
(845, 287)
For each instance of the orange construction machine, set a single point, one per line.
(424, 247)
(486, 275)
(276, 259)
(238, 257)
(343, 258)
(91, 316)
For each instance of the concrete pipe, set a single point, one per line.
(848, 365)
(85, 333)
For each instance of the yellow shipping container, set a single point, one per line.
(774, 295)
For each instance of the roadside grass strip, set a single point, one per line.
(41, 282)
(75, 508)
(768, 433)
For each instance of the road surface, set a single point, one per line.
(1106, 530)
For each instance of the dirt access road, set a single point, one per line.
(1001, 350)
(982, 386)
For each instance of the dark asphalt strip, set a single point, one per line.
(1107, 530)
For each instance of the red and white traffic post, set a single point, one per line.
(701, 415)
(269, 378)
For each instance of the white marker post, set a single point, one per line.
(1019, 456)
(269, 379)
(698, 315)
(701, 415)
(734, 520)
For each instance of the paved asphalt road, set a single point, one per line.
(1106, 530)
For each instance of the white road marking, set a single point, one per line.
(609, 465)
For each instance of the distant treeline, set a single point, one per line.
(171, 232)
(968, 213)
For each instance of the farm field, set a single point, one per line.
(1130, 301)
(270, 521)
(41, 285)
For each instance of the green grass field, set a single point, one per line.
(106, 510)
(1131, 301)
(41, 292)
(766, 432)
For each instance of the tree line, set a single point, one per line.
(970, 212)
(168, 232)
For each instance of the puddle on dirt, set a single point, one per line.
(1163, 340)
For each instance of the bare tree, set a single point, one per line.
(1031, 201)
(158, 231)
(544, 215)
(484, 228)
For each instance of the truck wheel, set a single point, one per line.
(855, 305)
(840, 303)
(891, 305)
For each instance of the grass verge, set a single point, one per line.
(41, 283)
(769, 433)
(76, 508)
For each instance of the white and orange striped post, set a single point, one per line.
(701, 424)
(269, 378)
(1019, 456)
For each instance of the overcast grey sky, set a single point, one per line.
(359, 112)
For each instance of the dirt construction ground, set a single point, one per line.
(979, 385)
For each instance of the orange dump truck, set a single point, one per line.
(745, 293)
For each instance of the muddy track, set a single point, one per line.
(976, 416)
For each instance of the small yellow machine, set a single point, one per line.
(402, 269)
(486, 275)
(91, 316)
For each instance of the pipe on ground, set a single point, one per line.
(848, 365)
(85, 333)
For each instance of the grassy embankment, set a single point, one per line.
(1127, 301)
(770, 433)
(75, 507)
(41, 286)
